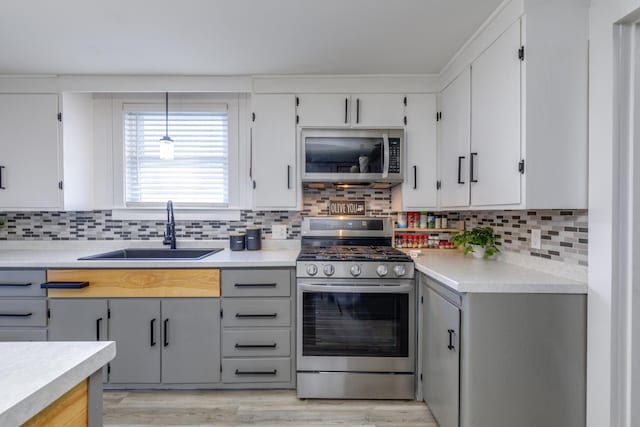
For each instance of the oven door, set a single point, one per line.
(363, 327)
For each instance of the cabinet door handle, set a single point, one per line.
(256, 315)
(357, 110)
(346, 110)
(415, 177)
(255, 285)
(288, 177)
(2, 187)
(152, 332)
(16, 314)
(460, 159)
(15, 285)
(242, 346)
(473, 177)
(166, 332)
(451, 346)
(239, 372)
(98, 327)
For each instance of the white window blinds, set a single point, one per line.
(198, 174)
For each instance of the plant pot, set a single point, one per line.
(478, 251)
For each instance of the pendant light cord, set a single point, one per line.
(166, 114)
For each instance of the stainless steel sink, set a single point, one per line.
(135, 254)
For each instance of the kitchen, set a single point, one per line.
(482, 120)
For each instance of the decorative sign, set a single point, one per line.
(347, 207)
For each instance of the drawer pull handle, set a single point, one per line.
(255, 285)
(239, 372)
(256, 315)
(14, 285)
(242, 346)
(98, 327)
(16, 314)
(166, 333)
(64, 285)
(152, 334)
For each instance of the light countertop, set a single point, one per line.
(464, 273)
(35, 374)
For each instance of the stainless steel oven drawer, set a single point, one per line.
(276, 370)
(23, 334)
(256, 283)
(256, 312)
(22, 283)
(261, 342)
(23, 312)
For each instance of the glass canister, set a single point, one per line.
(401, 221)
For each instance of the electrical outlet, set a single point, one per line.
(536, 238)
(278, 231)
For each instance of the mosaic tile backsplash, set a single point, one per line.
(564, 233)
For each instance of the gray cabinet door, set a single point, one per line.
(441, 358)
(135, 327)
(78, 319)
(190, 340)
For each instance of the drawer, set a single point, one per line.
(256, 312)
(262, 342)
(256, 283)
(276, 370)
(22, 283)
(19, 334)
(23, 312)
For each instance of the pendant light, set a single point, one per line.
(166, 143)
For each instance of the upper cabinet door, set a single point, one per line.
(419, 190)
(454, 129)
(323, 110)
(377, 110)
(495, 126)
(273, 145)
(29, 152)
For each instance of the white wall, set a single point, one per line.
(602, 173)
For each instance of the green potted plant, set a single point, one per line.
(480, 241)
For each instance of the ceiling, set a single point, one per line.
(235, 37)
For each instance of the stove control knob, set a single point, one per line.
(399, 270)
(382, 270)
(312, 269)
(328, 270)
(355, 270)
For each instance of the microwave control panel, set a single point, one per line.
(394, 155)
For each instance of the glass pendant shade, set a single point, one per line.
(166, 143)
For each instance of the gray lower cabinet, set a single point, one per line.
(135, 327)
(23, 305)
(76, 319)
(441, 358)
(190, 341)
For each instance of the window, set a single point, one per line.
(199, 173)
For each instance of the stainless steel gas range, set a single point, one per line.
(355, 311)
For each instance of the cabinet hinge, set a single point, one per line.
(405, 101)
(438, 184)
(521, 53)
(297, 119)
(60, 185)
(253, 117)
(108, 313)
(297, 101)
(405, 120)
(521, 166)
(60, 117)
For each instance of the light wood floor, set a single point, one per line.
(255, 408)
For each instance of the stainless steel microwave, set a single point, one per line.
(352, 155)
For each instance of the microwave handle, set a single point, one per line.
(385, 167)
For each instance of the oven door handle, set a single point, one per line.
(385, 167)
(385, 289)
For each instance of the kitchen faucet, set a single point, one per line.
(170, 234)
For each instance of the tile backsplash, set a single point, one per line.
(564, 232)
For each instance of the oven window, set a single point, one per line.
(355, 324)
(347, 155)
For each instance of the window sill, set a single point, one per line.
(181, 214)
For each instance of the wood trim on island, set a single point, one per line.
(71, 409)
(158, 283)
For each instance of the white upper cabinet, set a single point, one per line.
(30, 163)
(454, 130)
(495, 128)
(323, 109)
(419, 189)
(372, 110)
(273, 146)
